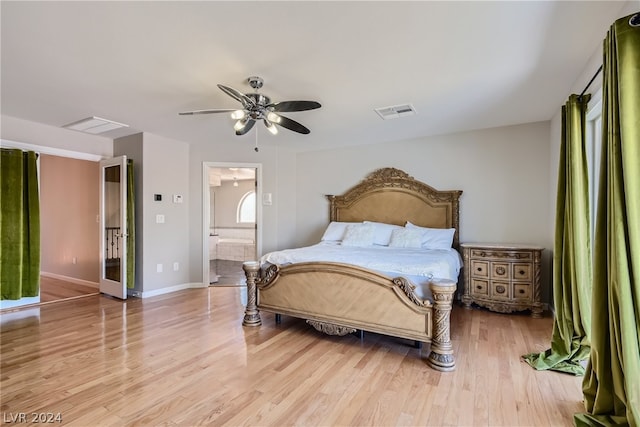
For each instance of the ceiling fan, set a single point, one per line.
(256, 106)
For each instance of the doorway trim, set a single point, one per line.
(206, 209)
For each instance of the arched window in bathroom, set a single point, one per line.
(247, 208)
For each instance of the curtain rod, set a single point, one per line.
(590, 81)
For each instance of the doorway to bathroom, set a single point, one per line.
(231, 221)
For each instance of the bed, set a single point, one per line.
(338, 298)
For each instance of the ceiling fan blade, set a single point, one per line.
(289, 106)
(190, 113)
(286, 122)
(238, 96)
(247, 127)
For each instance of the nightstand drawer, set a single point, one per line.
(480, 287)
(498, 254)
(521, 271)
(500, 270)
(479, 268)
(500, 290)
(521, 291)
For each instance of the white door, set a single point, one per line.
(113, 227)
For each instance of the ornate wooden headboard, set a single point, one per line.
(391, 196)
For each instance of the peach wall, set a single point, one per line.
(69, 205)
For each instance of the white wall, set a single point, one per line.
(503, 173)
(161, 167)
(278, 178)
(165, 172)
(227, 198)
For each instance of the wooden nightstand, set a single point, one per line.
(502, 277)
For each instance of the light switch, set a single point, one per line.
(177, 198)
(266, 199)
(159, 219)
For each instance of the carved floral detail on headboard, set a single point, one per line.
(392, 179)
(395, 178)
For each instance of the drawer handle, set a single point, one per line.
(500, 289)
(521, 272)
(501, 270)
(478, 287)
(479, 269)
(521, 291)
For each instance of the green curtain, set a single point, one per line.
(572, 250)
(131, 227)
(19, 225)
(611, 385)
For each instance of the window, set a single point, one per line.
(247, 208)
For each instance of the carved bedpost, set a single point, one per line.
(536, 309)
(251, 313)
(441, 355)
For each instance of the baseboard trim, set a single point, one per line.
(169, 289)
(77, 281)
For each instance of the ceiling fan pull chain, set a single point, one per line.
(256, 147)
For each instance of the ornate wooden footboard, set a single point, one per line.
(338, 297)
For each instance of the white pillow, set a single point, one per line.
(435, 238)
(335, 230)
(358, 235)
(382, 232)
(406, 238)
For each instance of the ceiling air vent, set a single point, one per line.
(395, 111)
(95, 125)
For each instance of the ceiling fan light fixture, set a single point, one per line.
(240, 124)
(238, 114)
(256, 107)
(273, 117)
(271, 127)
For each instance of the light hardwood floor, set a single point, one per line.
(183, 359)
(52, 289)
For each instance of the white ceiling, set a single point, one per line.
(463, 65)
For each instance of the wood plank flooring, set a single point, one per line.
(184, 359)
(52, 289)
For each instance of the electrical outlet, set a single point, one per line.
(159, 268)
(74, 260)
(176, 266)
